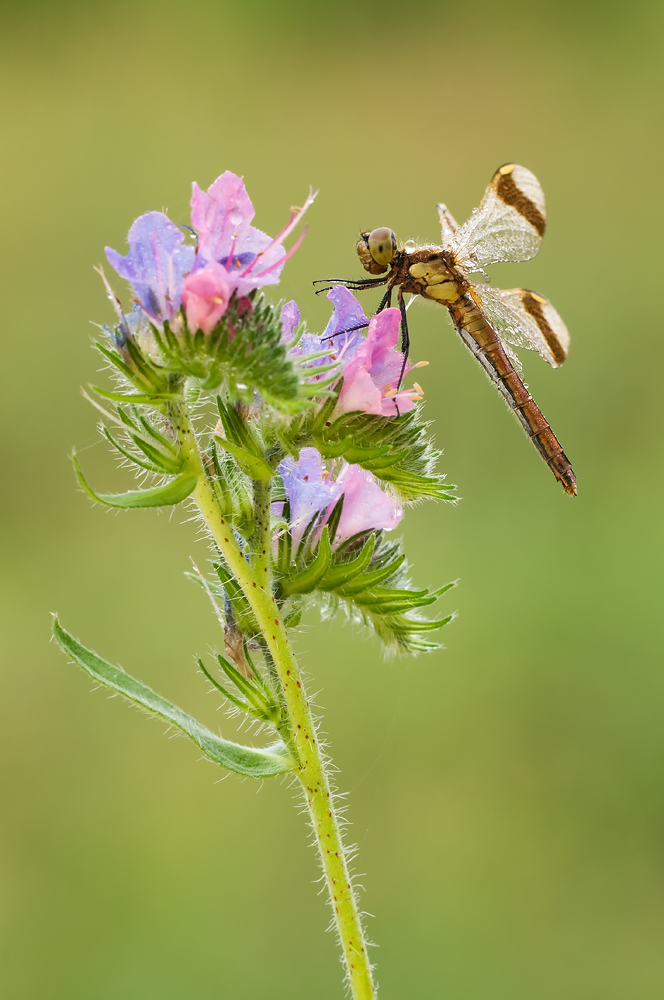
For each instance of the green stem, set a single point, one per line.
(253, 575)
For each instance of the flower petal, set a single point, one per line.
(307, 489)
(221, 216)
(366, 506)
(359, 391)
(346, 325)
(205, 296)
(290, 317)
(155, 265)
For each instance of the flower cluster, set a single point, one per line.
(319, 425)
(231, 256)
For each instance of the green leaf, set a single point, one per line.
(171, 464)
(237, 430)
(308, 579)
(260, 701)
(242, 705)
(393, 612)
(159, 496)
(150, 466)
(367, 580)
(397, 450)
(242, 613)
(251, 465)
(345, 572)
(250, 761)
(132, 397)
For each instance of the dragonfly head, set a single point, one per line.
(376, 249)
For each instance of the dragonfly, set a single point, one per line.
(508, 226)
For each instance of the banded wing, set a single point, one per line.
(508, 225)
(524, 319)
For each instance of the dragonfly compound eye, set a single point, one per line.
(382, 245)
(376, 254)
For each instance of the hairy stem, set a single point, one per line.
(253, 575)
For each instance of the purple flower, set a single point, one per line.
(371, 377)
(342, 335)
(290, 317)
(344, 332)
(310, 488)
(155, 265)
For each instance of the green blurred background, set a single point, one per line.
(507, 794)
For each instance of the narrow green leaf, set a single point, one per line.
(393, 607)
(385, 594)
(118, 363)
(337, 576)
(319, 370)
(171, 464)
(242, 705)
(165, 442)
(159, 496)
(242, 612)
(367, 580)
(325, 412)
(150, 466)
(251, 465)
(257, 695)
(336, 450)
(308, 579)
(425, 626)
(132, 397)
(251, 761)
(334, 518)
(356, 455)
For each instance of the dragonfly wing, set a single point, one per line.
(525, 319)
(448, 224)
(509, 223)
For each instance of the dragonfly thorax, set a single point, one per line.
(429, 272)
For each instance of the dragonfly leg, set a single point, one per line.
(385, 302)
(354, 285)
(350, 329)
(405, 338)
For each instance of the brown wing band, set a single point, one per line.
(533, 305)
(508, 191)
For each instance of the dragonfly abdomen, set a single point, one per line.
(483, 342)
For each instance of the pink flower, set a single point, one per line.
(371, 376)
(365, 505)
(205, 296)
(222, 217)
